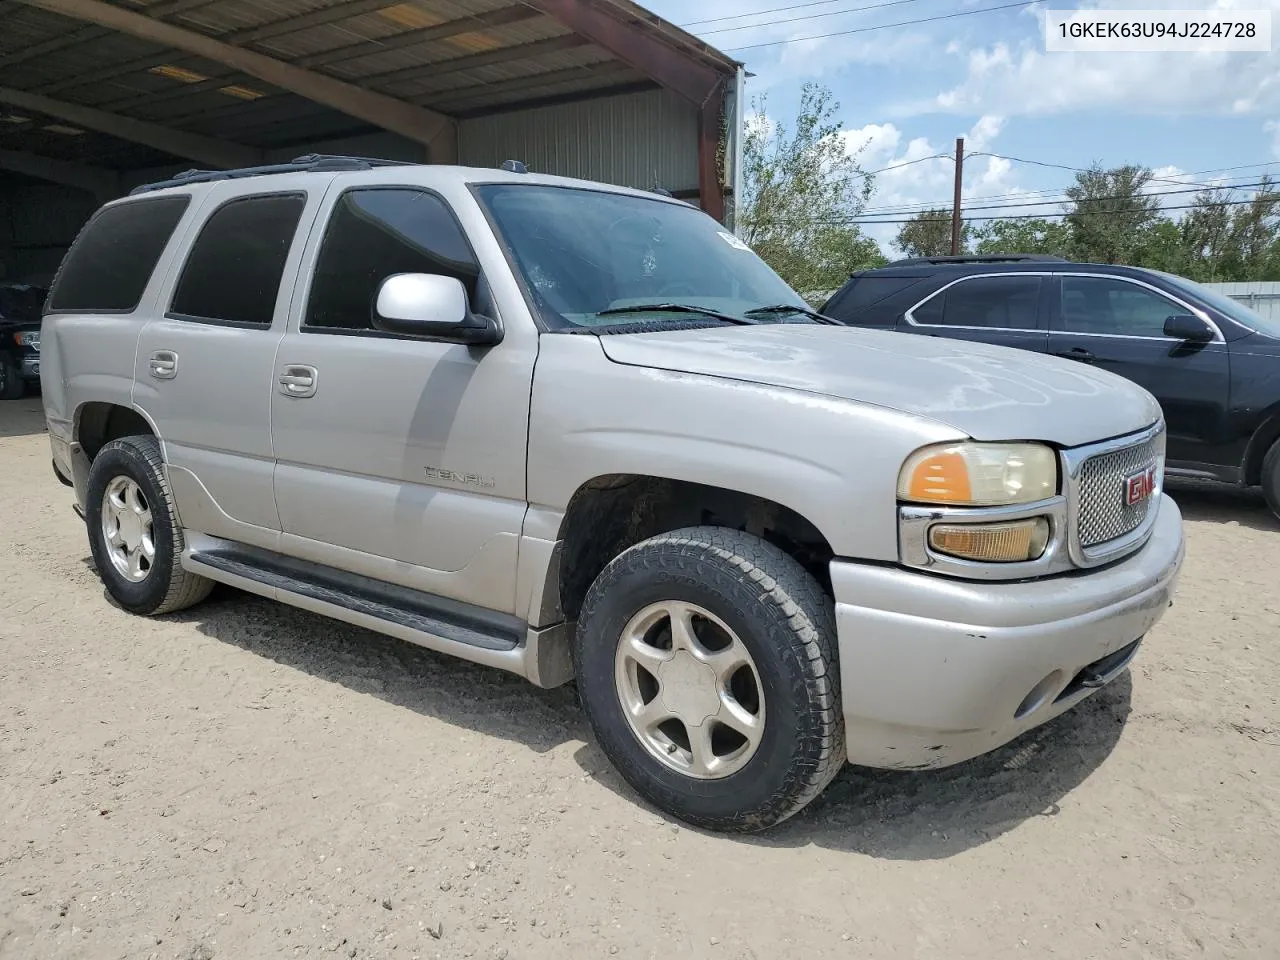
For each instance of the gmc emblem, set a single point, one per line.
(1139, 486)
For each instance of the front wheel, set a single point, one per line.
(706, 668)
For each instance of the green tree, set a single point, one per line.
(928, 234)
(802, 191)
(1036, 235)
(1110, 213)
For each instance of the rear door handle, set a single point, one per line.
(298, 380)
(164, 365)
(1077, 353)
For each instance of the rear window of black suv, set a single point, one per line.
(109, 265)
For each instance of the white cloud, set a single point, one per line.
(1020, 78)
(1273, 127)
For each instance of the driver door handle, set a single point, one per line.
(298, 380)
(1078, 353)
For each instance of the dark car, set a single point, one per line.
(21, 306)
(1213, 363)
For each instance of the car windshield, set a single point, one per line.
(594, 259)
(1234, 309)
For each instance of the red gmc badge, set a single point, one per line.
(1139, 486)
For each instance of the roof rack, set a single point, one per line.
(982, 258)
(310, 163)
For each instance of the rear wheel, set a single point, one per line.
(1271, 478)
(705, 664)
(133, 530)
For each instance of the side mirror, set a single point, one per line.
(1186, 326)
(432, 307)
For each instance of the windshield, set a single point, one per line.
(1234, 309)
(584, 252)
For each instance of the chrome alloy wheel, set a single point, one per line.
(127, 532)
(689, 690)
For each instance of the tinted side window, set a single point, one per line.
(372, 234)
(233, 271)
(108, 267)
(1000, 303)
(854, 303)
(1101, 305)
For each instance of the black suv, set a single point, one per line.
(1213, 363)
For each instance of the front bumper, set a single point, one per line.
(935, 671)
(31, 367)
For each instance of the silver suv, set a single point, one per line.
(581, 432)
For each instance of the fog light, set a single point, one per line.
(1012, 542)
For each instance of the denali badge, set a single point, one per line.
(1139, 486)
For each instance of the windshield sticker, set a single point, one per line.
(732, 241)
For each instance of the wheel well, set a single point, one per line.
(97, 424)
(611, 513)
(1259, 444)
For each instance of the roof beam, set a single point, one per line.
(85, 34)
(103, 184)
(522, 51)
(220, 153)
(365, 48)
(275, 28)
(406, 119)
(695, 81)
(602, 74)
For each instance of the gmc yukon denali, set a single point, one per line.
(582, 433)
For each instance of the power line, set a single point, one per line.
(1029, 216)
(1061, 166)
(885, 26)
(807, 16)
(906, 163)
(792, 7)
(1058, 194)
(1049, 201)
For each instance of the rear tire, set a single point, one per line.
(11, 384)
(731, 632)
(134, 533)
(1271, 478)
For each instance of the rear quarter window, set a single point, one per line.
(110, 263)
(860, 300)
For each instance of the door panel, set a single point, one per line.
(399, 458)
(1118, 325)
(204, 370)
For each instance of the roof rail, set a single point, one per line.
(310, 163)
(981, 258)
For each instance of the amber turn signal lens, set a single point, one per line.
(1012, 542)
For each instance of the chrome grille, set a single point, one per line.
(1103, 513)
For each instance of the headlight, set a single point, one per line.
(979, 474)
(28, 338)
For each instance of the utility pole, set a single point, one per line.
(955, 206)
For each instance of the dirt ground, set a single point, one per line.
(249, 781)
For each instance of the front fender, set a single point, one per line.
(832, 461)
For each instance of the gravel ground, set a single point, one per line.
(249, 781)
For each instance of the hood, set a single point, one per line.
(986, 392)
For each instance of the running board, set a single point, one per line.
(446, 626)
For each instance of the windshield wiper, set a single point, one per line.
(677, 308)
(784, 308)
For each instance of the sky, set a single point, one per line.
(907, 91)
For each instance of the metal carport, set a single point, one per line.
(96, 97)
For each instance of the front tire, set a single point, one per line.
(706, 668)
(136, 540)
(1271, 478)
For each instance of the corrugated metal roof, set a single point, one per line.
(422, 51)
